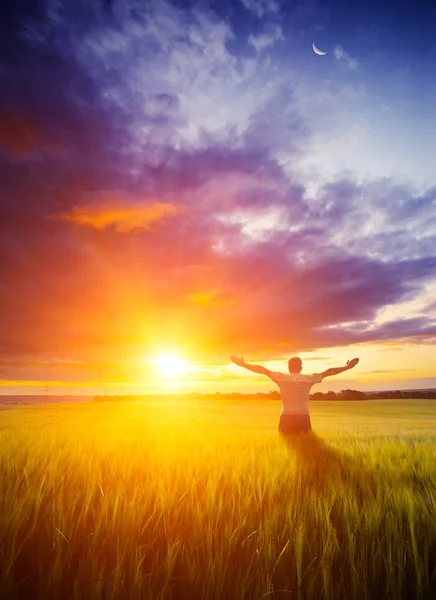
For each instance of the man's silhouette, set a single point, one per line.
(294, 391)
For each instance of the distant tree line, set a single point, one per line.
(384, 395)
(345, 395)
(398, 394)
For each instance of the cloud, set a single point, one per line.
(124, 216)
(387, 371)
(261, 7)
(267, 39)
(340, 54)
(211, 298)
(160, 51)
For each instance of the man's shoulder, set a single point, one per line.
(276, 374)
(312, 377)
(296, 377)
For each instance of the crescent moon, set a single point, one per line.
(315, 49)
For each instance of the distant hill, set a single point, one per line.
(23, 399)
(344, 395)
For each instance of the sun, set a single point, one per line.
(170, 365)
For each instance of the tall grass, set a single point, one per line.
(183, 500)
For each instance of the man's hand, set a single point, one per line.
(238, 361)
(352, 363)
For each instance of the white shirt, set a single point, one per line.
(294, 390)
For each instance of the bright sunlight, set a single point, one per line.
(171, 365)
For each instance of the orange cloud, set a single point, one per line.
(209, 299)
(123, 216)
(19, 136)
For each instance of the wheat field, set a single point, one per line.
(183, 499)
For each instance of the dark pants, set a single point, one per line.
(290, 424)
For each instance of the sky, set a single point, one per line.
(191, 179)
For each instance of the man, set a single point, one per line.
(294, 391)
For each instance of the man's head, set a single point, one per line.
(295, 364)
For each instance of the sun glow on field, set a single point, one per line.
(171, 365)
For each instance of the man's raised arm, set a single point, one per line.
(350, 364)
(255, 368)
